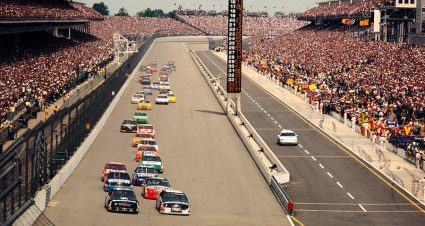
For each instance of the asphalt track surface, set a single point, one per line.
(327, 185)
(202, 155)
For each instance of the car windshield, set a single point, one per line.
(152, 158)
(149, 142)
(149, 148)
(158, 182)
(143, 135)
(115, 166)
(116, 175)
(146, 127)
(128, 122)
(287, 134)
(146, 170)
(124, 193)
(174, 197)
(140, 114)
(155, 83)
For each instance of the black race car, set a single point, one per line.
(122, 200)
(128, 126)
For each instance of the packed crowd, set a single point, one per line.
(140, 25)
(348, 9)
(217, 25)
(56, 9)
(379, 85)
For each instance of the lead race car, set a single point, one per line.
(122, 200)
(173, 202)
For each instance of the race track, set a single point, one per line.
(202, 154)
(327, 185)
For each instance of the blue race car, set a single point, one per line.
(141, 173)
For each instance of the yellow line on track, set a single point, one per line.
(296, 220)
(339, 146)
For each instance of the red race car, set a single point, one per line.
(153, 186)
(142, 149)
(146, 128)
(113, 167)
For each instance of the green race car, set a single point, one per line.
(140, 117)
(152, 161)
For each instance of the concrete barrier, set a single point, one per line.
(48, 192)
(260, 152)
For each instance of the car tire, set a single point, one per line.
(278, 142)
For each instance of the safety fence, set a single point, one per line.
(35, 158)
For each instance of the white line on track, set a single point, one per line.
(276, 122)
(353, 204)
(321, 166)
(262, 109)
(307, 152)
(314, 158)
(361, 207)
(268, 115)
(352, 197)
(300, 145)
(330, 175)
(280, 126)
(339, 184)
(358, 211)
(272, 118)
(265, 112)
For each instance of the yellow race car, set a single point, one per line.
(171, 98)
(138, 137)
(144, 105)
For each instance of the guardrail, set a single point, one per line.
(281, 196)
(261, 153)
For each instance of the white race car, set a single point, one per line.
(287, 137)
(136, 98)
(155, 85)
(173, 202)
(164, 85)
(161, 99)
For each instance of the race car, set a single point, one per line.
(163, 78)
(147, 90)
(112, 167)
(145, 79)
(161, 99)
(142, 173)
(116, 179)
(146, 128)
(144, 105)
(173, 202)
(155, 85)
(153, 186)
(140, 117)
(171, 98)
(152, 161)
(140, 136)
(122, 200)
(143, 69)
(153, 63)
(164, 85)
(142, 149)
(129, 126)
(165, 91)
(148, 143)
(136, 98)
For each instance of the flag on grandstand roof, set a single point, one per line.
(346, 21)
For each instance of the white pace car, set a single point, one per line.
(161, 99)
(173, 202)
(287, 137)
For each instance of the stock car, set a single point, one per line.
(146, 128)
(173, 202)
(171, 98)
(140, 136)
(142, 149)
(112, 167)
(136, 98)
(287, 137)
(163, 78)
(155, 85)
(172, 65)
(143, 69)
(122, 200)
(148, 143)
(144, 105)
(128, 126)
(164, 85)
(161, 99)
(117, 180)
(145, 79)
(165, 91)
(153, 186)
(140, 117)
(147, 90)
(152, 161)
(142, 173)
